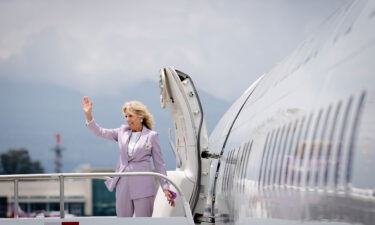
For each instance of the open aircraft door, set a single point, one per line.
(178, 93)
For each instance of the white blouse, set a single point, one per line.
(134, 138)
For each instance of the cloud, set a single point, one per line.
(101, 47)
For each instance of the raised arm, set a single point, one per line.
(87, 108)
(108, 134)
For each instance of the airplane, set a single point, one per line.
(297, 147)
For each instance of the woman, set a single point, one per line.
(138, 143)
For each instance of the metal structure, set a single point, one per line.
(62, 176)
(58, 156)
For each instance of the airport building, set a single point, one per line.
(83, 197)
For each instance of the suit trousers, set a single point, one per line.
(127, 207)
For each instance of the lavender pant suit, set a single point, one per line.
(134, 194)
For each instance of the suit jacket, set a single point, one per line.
(148, 146)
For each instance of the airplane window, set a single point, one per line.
(329, 161)
(289, 155)
(338, 157)
(228, 176)
(295, 150)
(248, 151)
(261, 171)
(353, 134)
(282, 154)
(311, 160)
(274, 157)
(269, 169)
(242, 165)
(239, 166)
(225, 176)
(232, 162)
(268, 150)
(322, 147)
(301, 152)
(279, 155)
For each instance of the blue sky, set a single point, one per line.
(60, 51)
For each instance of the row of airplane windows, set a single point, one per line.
(313, 151)
(237, 171)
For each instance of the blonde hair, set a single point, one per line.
(140, 110)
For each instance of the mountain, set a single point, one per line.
(31, 115)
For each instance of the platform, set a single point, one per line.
(97, 221)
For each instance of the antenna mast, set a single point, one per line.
(58, 155)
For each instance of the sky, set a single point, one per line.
(101, 47)
(54, 52)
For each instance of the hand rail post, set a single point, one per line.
(15, 204)
(187, 209)
(62, 210)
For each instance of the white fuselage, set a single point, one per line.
(299, 145)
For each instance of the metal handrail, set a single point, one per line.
(61, 176)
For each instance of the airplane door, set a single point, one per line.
(178, 93)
